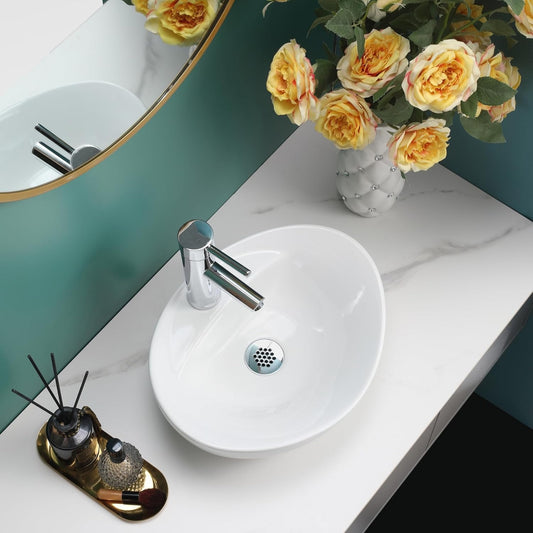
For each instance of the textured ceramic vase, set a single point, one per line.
(367, 180)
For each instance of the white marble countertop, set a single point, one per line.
(456, 266)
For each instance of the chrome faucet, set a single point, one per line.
(205, 277)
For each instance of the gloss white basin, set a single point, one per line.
(94, 113)
(324, 305)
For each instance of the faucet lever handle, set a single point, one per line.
(245, 271)
(54, 138)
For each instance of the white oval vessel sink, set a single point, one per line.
(93, 112)
(323, 319)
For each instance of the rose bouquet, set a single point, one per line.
(412, 65)
(182, 22)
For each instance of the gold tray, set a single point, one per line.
(88, 479)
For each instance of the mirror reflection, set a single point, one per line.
(86, 76)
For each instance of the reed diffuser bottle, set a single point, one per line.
(70, 431)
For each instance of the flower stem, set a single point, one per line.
(451, 9)
(471, 22)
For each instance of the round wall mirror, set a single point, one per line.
(75, 91)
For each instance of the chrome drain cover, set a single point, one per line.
(264, 356)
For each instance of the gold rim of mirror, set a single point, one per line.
(171, 89)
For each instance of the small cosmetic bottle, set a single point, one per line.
(120, 464)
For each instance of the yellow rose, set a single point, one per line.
(498, 67)
(346, 119)
(524, 21)
(468, 32)
(182, 22)
(291, 82)
(142, 6)
(441, 76)
(418, 146)
(384, 58)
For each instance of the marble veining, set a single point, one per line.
(130, 362)
(407, 195)
(446, 249)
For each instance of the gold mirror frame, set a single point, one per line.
(12, 196)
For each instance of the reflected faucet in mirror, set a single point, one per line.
(97, 83)
(78, 156)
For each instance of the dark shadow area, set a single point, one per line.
(477, 477)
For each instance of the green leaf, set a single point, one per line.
(389, 96)
(360, 38)
(396, 82)
(318, 21)
(504, 10)
(356, 7)
(422, 12)
(342, 24)
(483, 129)
(448, 116)
(493, 92)
(469, 108)
(423, 35)
(403, 23)
(516, 5)
(331, 6)
(396, 114)
(498, 27)
(434, 11)
(417, 116)
(325, 75)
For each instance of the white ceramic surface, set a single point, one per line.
(324, 305)
(95, 113)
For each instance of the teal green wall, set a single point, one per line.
(72, 257)
(504, 171)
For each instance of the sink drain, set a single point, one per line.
(264, 356)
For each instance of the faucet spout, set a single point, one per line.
(204, 277)
(234, 286)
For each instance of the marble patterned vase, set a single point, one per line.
(367, 180)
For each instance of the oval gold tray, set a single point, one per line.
(88, 479)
